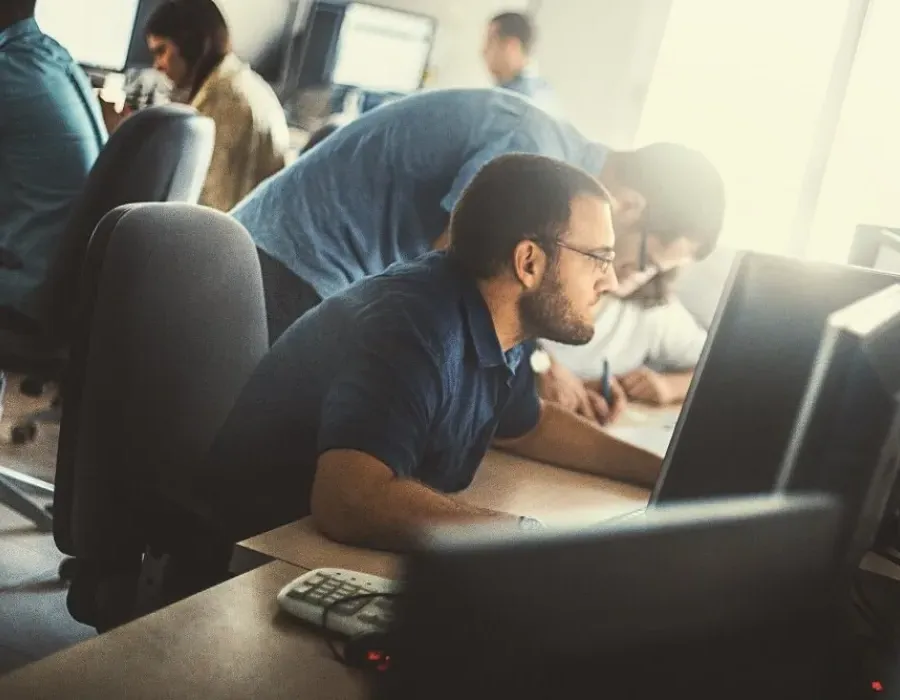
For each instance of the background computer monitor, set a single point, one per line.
(876, 247)
(846, 441)
(261, 32)
(96, 32)
(382, 50)
(682, 603)
(738, 416)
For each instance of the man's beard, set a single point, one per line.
(547, 313)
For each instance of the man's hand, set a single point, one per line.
(559, 385)
(647, 386)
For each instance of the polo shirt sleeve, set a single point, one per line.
(517, 141)
(523, 410)
(385, 402)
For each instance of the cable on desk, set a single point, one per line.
(349, 599)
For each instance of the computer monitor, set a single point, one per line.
(846, 440)
(382, 50)
(96, 32)
(876, 247)
(738, 415)
(685, 602)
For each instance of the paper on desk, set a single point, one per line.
(649, 431)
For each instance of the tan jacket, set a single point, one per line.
(251, 132)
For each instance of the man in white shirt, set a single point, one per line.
(651, 351)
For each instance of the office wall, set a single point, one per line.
(599, 55)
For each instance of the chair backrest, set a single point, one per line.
(160, 154)
(170, 323)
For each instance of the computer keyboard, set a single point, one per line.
(363, 610)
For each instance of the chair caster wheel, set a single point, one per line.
(23, 434)
(68, 569)
(32, 387)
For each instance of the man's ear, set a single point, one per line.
(628, 206)
(529, 264)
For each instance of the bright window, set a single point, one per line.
(745, 83)
(862, 180)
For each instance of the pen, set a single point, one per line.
(604, 386)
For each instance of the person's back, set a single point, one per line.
(380, 189)
(51, 132)
(251, 132)
(409, 324)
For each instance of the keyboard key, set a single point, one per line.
(349, 608)
(370, 619)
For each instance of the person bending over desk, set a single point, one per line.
(51, 132)
(380, 189)
(386, 397)
(649, 339)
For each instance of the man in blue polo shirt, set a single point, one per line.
(51, 132)
(380, 189)
(385, 398)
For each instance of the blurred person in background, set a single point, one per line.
(507, 54)
(191, 44)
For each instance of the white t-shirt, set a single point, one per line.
(629, 335)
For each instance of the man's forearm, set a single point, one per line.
(567, 440)
(391, 515)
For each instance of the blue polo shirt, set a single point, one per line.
(380, 189)
(51, 132)
(404, 366)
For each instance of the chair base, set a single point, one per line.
(14, 497)
(25, 431)
(32, 386)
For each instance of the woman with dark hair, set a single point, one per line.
(191, 45)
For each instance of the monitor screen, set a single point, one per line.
(845, 441)
(382, 50)
(887, 258)
(101, 40)
(492, 615)
(736, 424)
(877, 247)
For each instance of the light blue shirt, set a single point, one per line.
(379, 190)
(51, 131)
(537, 90)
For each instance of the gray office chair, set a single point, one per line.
(160, 154)
(170, 324)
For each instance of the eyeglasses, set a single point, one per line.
(603, 260)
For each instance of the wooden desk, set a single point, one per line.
(504, 482)
(230, 642)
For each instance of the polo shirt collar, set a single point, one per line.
(483, 334)
(21, 28)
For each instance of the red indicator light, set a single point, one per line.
(877, 687)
